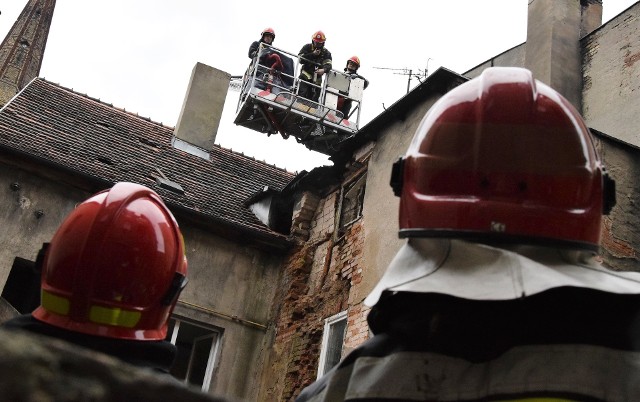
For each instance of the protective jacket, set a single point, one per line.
(310, 62)
(524, 323)
(253, 49)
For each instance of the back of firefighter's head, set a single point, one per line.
(503, 158)
(115, 267)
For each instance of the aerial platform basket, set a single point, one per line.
(269, 103)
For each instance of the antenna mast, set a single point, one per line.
(421, 74)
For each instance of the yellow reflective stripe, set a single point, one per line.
(114, 316)
(54, 304)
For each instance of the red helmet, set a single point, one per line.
(355, 60)
(115, 267)
(319, 37)
(268, 31)
(507, 158)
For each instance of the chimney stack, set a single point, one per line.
(201, 110)
(552, 51)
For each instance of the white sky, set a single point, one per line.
(139, 54)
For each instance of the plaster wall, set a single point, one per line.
(611, 77)
(233, 287)
(22, 195)
(513, 57)
(380, 209)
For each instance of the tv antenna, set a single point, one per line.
(420, 75)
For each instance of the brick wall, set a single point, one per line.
(317, 278)
(621, 228)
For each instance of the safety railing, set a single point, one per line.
(275, 71)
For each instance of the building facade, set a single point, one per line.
(279, 265)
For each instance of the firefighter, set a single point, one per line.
(269, 62)
(267, 36)
(498, 294)
(351, 69)
(111, 277)
(315, 60)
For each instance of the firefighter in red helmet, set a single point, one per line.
(497, 293)
(267, 36)
(351, 69)
(267, 60)
(111, 276)
(315, 60)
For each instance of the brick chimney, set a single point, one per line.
(552, 51)
(201, 111)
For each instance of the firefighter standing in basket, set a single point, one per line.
(351, 69)
(315, 60)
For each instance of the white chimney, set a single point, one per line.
(201, 111)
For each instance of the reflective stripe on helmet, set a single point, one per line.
(54, 303)
(98, 314)
(114, 316)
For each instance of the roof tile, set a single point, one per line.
(86, 135)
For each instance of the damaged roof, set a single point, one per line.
(77, 133)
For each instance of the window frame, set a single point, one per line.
(352, 191)
(328, 322)
(214, 351)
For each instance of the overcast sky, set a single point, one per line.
(139, 54)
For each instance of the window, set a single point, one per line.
(197, 352)
(351, 202)
(22, 289)
(332, 340)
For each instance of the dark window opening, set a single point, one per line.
(197, 348)
(280, 218)
(22, 289)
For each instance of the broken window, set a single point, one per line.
(351, 202)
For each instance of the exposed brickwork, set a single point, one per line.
(303, 212)
(351, 267)
(323, 222)
(316, 285)
(617, 247)
(357, 327)
(621, 228)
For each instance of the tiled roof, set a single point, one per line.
(94, 138)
